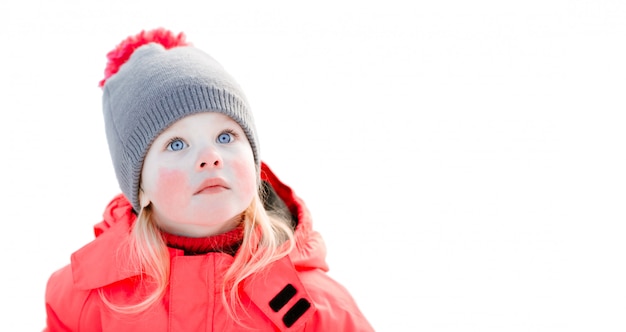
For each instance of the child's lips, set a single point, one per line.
(212, 186)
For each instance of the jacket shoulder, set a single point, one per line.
(304, 300)
(66, 305)
(336, 308)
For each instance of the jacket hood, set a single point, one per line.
(97, 264)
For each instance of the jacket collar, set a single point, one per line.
(104, 260)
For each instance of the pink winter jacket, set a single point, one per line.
(292, 294)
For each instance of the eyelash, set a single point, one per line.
(229, 131)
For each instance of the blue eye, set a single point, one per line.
(224, 138)
(176, 144)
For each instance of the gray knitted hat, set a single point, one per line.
(152, 80)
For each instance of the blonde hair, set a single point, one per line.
(267, 237)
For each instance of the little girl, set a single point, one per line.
(204, 237)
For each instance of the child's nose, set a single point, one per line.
(209, 158)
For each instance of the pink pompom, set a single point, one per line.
(122, 52)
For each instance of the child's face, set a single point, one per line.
(199, 175)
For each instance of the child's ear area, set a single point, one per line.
(143, 199)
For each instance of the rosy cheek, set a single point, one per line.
(172, 185)
(246, 176)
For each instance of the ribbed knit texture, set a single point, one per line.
(154, 89)
(227, 242)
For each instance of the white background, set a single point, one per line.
(464, 160)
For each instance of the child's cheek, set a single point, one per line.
(172, 186)
(246, 177)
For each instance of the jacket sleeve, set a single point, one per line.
(336, 309)
(64, 303)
